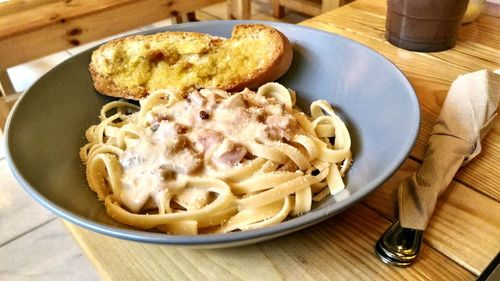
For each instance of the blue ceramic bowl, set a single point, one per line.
(46, 129)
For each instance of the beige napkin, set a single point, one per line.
(466, 117)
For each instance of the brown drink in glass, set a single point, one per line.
(424, 25)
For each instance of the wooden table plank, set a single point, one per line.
(430, 83)
(463, 222)
(482, 31)
(467, 54)
(484, 170)
(340, 248)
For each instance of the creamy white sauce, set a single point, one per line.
(195, 136)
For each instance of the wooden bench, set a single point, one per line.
(32, 29)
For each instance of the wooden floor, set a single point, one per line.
(34, 245)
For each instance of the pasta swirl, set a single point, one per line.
(214, 162)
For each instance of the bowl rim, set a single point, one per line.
(233, 238)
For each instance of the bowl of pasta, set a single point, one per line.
(210, 167)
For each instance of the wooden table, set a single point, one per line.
(463, 236)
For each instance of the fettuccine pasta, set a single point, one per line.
(214, 162)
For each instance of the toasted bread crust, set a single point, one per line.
(274, 67)
(107, 87)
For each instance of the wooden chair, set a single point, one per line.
(308, 7)
(239, 9)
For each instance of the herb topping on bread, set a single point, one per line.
(134, 66)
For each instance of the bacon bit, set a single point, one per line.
(209, 138)
(161, 117)
(233, 156)
(261, 118)
(281, 127)
(180, 129)
(204, 115)
(167, 174)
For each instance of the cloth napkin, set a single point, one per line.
(466, 117)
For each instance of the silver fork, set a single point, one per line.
(399, 246)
